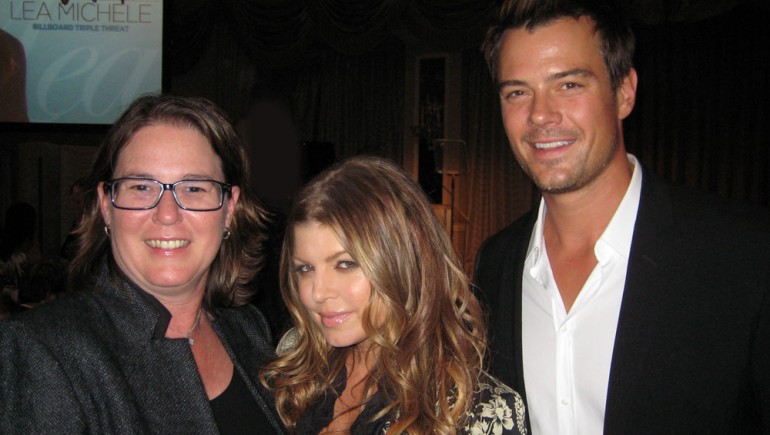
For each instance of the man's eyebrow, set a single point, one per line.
(555, 76)
(570, 72)
(507, 83)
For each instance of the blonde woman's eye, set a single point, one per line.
(302, 268)
(347, 264)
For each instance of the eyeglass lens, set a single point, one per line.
(146, 193)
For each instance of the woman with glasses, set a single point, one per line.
(161, 339)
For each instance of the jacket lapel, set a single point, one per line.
(512, 278)
(644, 300)
(247, 360)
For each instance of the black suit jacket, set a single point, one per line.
(692, 347)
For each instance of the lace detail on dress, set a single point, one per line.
(287, 342)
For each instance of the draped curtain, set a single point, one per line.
(703, 103)
(498, 190)
(350, 102)
(281, 33)
(701, 116)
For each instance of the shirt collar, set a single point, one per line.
(620, 230)
(617, 235)
(534, 261)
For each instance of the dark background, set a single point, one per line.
(334, 78)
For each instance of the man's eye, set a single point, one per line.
(571, 85)
(513, 94)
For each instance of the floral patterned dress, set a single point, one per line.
(497, 409)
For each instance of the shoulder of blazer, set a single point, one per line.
(502, 244)
(702, 212)
(245, 328)
(501, 249)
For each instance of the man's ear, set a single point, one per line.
(625, 96)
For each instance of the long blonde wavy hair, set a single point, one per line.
(432, 344)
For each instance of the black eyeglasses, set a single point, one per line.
(145, 193)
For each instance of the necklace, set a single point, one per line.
(188, 334)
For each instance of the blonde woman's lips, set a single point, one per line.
(330, 320)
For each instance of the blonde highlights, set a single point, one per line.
(431, 345)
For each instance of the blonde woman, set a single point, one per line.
(388, 336)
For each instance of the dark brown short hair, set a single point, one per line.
(614, 30)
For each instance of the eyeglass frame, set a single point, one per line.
(109, 187)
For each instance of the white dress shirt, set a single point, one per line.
(567, 356)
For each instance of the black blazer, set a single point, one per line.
(692, 348)
(97, 363)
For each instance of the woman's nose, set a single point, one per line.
(167, 211)
(323, 287)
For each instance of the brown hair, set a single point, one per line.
(240, 256)
(432, 343)
(617, 38)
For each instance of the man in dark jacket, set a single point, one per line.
(621, 304)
